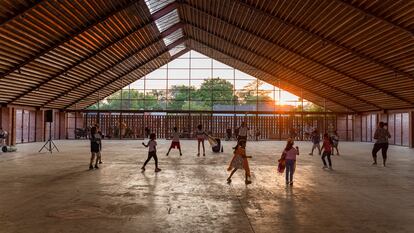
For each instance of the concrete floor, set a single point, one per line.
(40, 192)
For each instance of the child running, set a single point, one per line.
(289, 154)
(200, 134)
(175, 141)
(152, 152)
(239, 161)
(316, 139)
(327, 151)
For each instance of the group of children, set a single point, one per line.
(329, 145)
(239, 160)
(288, 159)
(152, 144)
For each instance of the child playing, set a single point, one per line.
(152, 152)
(335, 142)
(200, 134)
(95, 139)
(175, 141)
(327, 151)
(289, 154)
(316, 139)
(239, 161)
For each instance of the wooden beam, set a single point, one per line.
(266, 72)
(67, 38)
(411, 129)
(287, 67)
(208, 112)
(103, 84)
(326, 40)
(21, 12)
(172, 58)
(165, 10)
(297, 53)
(159, 38)
(118, 40)
(389, 22)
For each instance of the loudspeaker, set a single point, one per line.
(49, 116)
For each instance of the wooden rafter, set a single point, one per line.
(374, 16)
(103, 84)
(293, 51)
(159, 38)
(287, 67)
(266, 72)
(160, 13)
(21, 12)
(172, 58)
(68, 38)
(326, 40)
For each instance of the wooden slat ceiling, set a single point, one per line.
(350, 55)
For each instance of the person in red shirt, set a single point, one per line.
(327, 150)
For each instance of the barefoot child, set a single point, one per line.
(152, 152)
(201, 135)
(239, 161)
(289, 154)
(327, 151)
(175, 141)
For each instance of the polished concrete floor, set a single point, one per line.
(42, 192)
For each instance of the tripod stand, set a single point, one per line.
(48, 145)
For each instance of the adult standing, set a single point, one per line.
(381, 136)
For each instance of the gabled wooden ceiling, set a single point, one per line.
(350, 55)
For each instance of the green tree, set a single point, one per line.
(179, 96)
(132, 100)
(215, 90)
(251, 93)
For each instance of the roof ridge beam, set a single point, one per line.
(330, 41)
(116, 41)
(159, 38)
(69, 37)
(171, 46)
(266, 72)
(284, 47)
(289, 68)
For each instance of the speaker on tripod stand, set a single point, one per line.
(49, 145)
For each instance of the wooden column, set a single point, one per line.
(40, 126)
(62, 125)
(411, 129)
(8, 123)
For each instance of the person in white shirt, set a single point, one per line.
(175, 141)
(243, 132)
(152, 152)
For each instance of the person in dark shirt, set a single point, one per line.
(381, 135)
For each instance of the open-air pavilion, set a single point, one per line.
(130, 67)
